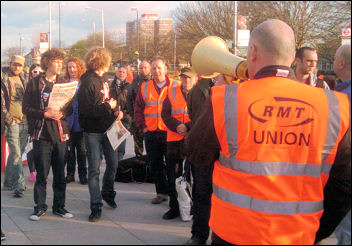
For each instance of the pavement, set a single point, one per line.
(135, 221)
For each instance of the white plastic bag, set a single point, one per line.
(184, 198)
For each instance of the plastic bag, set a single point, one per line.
(184, 198)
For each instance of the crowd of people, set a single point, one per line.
(269, 158)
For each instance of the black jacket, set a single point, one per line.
(95, 116)
(197, 97)
(31, 107)
(133, 91)
(6, 88)
(119, 91)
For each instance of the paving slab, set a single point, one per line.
(134, 222)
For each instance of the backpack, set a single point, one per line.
(135, 169)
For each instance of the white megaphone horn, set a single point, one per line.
(211, 56)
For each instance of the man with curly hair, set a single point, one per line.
(97, 112)
(49, 132)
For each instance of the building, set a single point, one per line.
(150, 27)
(33, 57)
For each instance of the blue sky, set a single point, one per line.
(32, 17)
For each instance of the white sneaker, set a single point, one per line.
(36, 215)
(63, 213)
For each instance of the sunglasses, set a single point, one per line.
(36, 71)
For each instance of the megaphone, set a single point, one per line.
(211, 56)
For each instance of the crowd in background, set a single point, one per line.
(176, 120)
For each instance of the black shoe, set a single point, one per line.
(70, 179)
(95, 216)
(63, 213)
(83, 181)
(18, 193)
(194, 241)
(3, 237)
(109, 198)
(171, 214)
(37, 214)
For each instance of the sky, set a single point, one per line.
(32, 17)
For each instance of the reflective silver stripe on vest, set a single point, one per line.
(178, 111)
(275, 168)
(263, 206)
(334, 121)
(174, 87)
(146, 91)
(151, 103)
(151, 115)
(231, 118)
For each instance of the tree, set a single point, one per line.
(9, 52)
(315, 23)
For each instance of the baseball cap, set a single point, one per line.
(18, 59)
(188, 71)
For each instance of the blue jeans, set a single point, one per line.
(16, 138)
(94, 142)
(343, 230)
(121, 150)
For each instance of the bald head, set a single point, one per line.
(275, 38)
(342, 62)
(144, 68)
(344, 52)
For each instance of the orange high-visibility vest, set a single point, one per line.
(179, 109)
(129, 77)
(153, 105)
(278, 142)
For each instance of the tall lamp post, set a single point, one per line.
(102, 20)
(49, 25)
(20, 44)
(60, 4)
(136, 9)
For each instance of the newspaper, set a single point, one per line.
(116, 134)
(62, 94)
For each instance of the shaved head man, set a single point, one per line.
(342, 62)
(271, 43)
(253, 136)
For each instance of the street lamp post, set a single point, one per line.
(60, 4)
(20, 44)
(49, 25)
(235, 30)
(136, 9)
(102, 20)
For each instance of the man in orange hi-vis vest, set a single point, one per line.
(274, 144)
(147, 113)
(129, 77)
(177, 121)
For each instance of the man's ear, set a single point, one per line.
(253, 52)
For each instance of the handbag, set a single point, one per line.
(184, 197)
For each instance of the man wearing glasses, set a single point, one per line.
(13, 84)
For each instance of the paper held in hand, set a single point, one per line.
(62, 94)
(116, 134)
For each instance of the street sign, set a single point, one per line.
(346, 32)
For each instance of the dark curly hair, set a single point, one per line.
(81, 67)
(50, 55)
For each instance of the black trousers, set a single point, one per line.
(30, 160)
(77, 147)
(216, 240)
(201, 194)
(47, 154)
(174, 170)
(155, 143)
